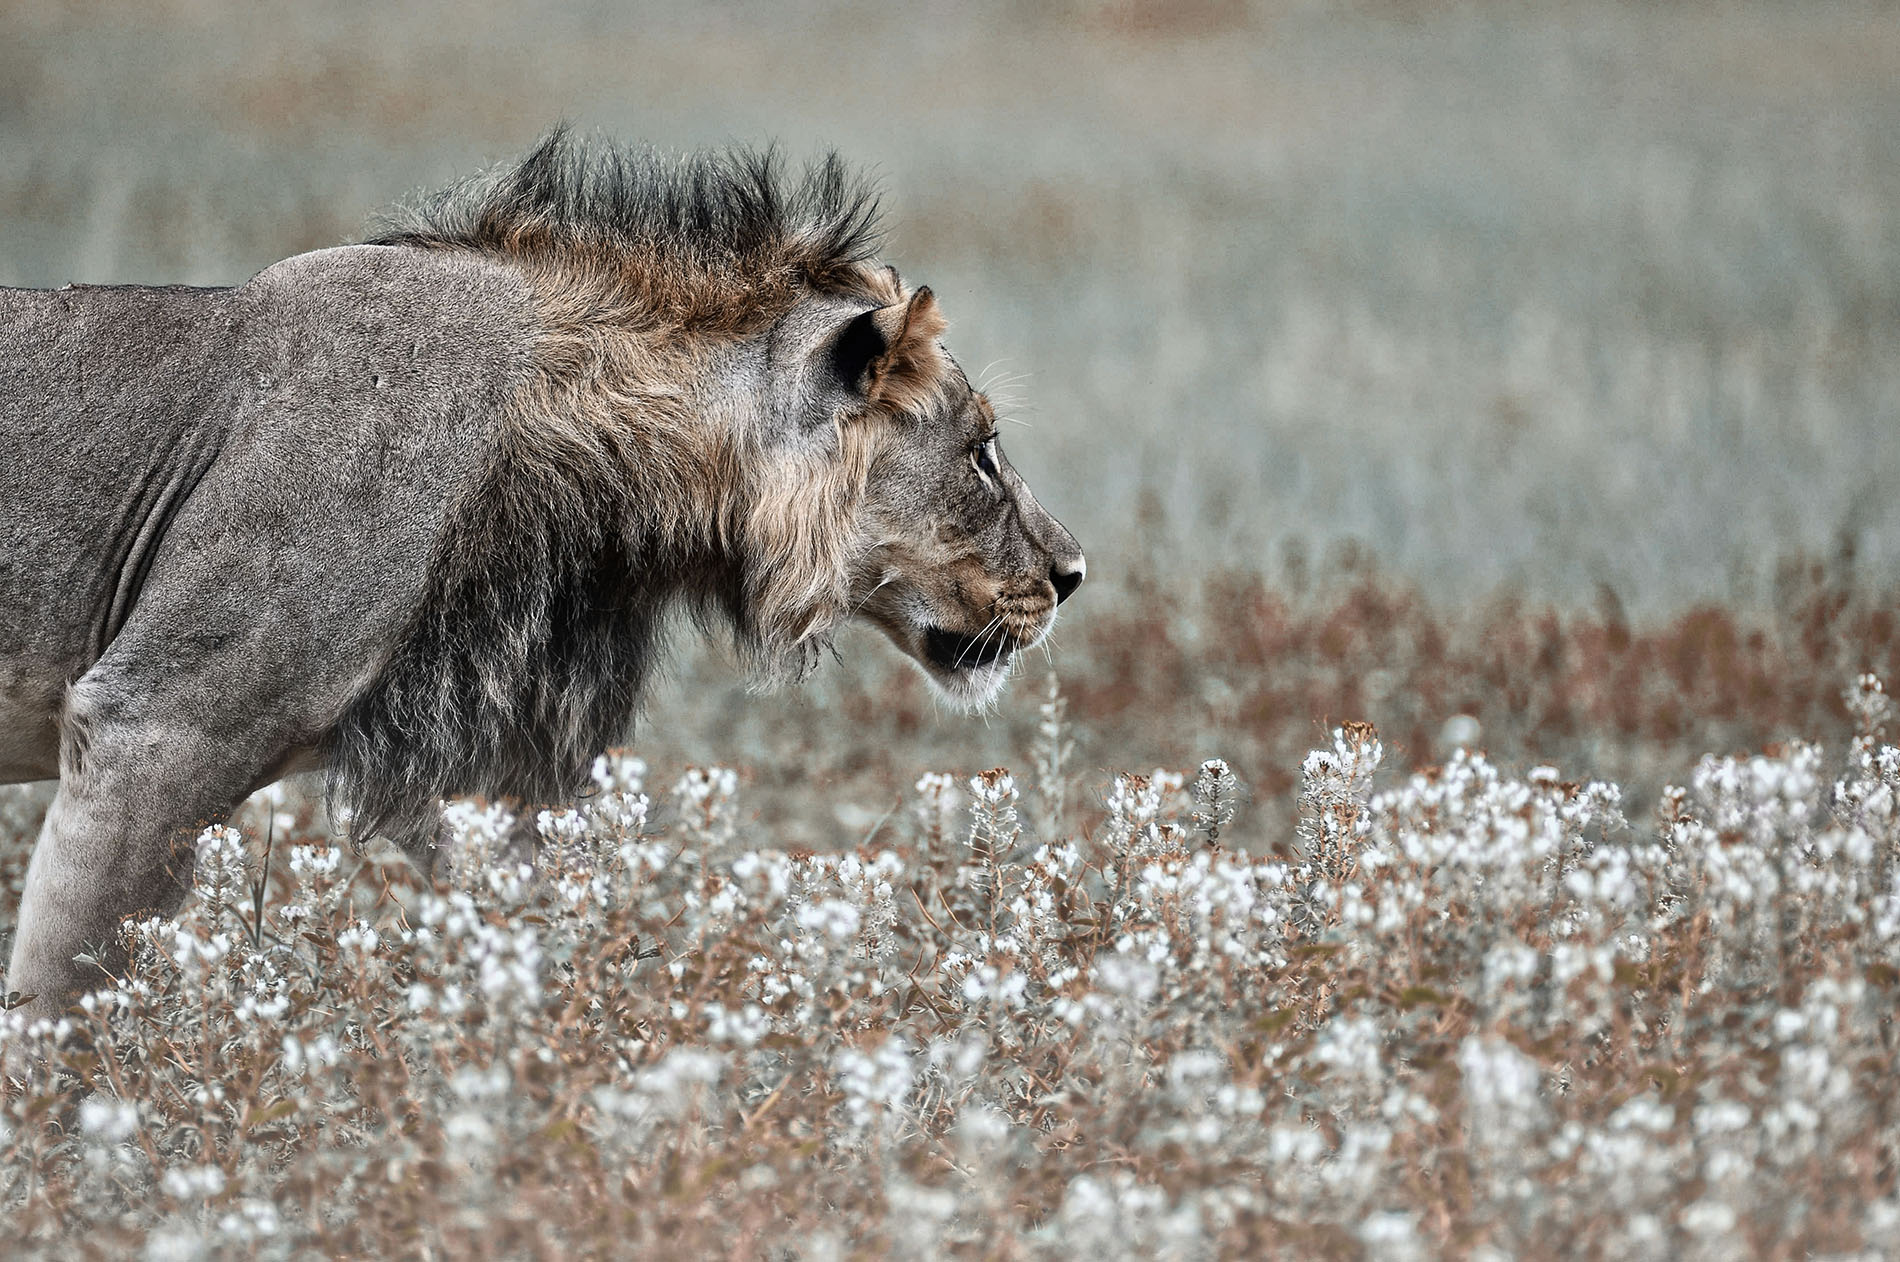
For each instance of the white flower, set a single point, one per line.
(835, 919)
(106, 1120)
(1708, 1217)
(619, 772)
(744, 1027)
(875, 1082)
(1503, 1087)
(314, 860)
(193, 1183)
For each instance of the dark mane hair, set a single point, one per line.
(736, 211)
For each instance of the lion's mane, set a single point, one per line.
(604, 504)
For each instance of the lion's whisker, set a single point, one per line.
(976, 641)
(876, 588)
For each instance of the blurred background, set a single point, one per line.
(1545, 325)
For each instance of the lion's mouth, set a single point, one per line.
(952, 651)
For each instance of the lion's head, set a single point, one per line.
(947, 551)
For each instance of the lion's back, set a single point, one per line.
(280, 452)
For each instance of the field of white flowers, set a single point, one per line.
(1459, 1011)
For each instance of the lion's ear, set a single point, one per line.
(890, 355)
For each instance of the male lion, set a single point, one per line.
(415, 511)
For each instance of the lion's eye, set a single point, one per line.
(983, 456)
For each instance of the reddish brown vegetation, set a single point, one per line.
(1262, 670)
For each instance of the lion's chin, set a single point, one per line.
(968, 687)
(966, 670)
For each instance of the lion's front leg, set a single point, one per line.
(87, 873)
(135, 789)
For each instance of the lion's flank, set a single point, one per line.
(683, 229)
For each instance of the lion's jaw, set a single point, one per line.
(964, 648)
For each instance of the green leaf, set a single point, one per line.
(1273, 1021)
(1415, 996)
(270, 1113)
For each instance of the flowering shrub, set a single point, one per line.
(1461, 1011)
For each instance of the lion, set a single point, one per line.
(417, 512)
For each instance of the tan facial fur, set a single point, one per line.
(962, 568)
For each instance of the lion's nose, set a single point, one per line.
(1066, 575)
